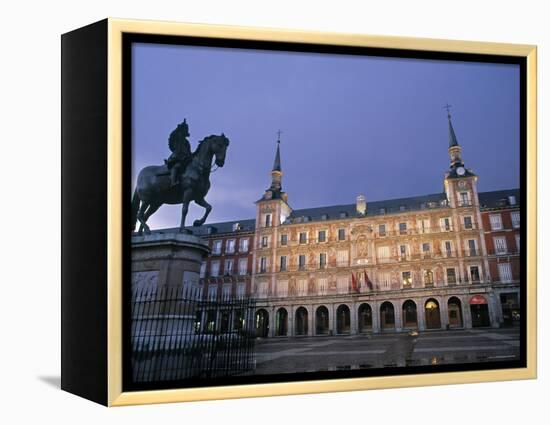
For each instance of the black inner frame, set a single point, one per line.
(129, 38)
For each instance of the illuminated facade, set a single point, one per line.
(425, 262)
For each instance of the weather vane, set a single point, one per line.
(448, 108)
(279, 132)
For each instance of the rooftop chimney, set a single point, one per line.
(361, 204)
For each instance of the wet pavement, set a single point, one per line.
(314, 354)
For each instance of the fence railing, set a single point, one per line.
(178, 334)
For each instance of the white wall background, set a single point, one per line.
(29, 211)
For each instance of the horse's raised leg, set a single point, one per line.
(202, 202)
(187, 195)
(142, 220)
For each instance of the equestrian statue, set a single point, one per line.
(183, 178)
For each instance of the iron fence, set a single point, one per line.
(178, 334)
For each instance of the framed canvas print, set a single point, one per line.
(251, 212)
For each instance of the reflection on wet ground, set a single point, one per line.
(315, 354)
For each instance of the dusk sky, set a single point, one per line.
(350, 125)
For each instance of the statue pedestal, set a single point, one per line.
(167, 260)
(164, 301)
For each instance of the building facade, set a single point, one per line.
(435, 261)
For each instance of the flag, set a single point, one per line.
(367, 281)
(354, 283)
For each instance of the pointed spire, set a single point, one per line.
(277, 162)
(452, 135)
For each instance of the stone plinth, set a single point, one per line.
(167, 259)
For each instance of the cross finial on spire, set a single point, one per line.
(448, 108)
(279, 132)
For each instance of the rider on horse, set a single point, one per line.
(181, 152)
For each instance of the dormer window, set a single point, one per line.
(343, 214)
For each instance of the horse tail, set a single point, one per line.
(135, 208)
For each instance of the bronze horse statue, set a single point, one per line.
(154, 188)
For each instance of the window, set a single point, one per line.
(228, 269)
(424, 225)
(217, 247)
(468, 224)
(322, 236)
(426, 249)
(517, 243)
(241, 289)
(475, 277)
(230, 246)
(263, 265)
(403, 252)
(262, 289)
(212, 292)
(472, 251)
(343, 214)
(515, 219)
(301, 262)
(284, 240)
(282, 263)
(384, 279)
(406, 279)
(402, 228)
(402, 208)
(303, 237)
(382, 210)
(464, 199)
(505, 272)
(428, 277)
(264, 241)
(384, 253)
(451, 276)
(500, 245)
(342, 284)
(243, 266)
(381, 230)
(282, 288)
(323, 285)
(226, 291)
(243, 245)
(496, 221)
(341, 234)
(203, 270)
(267, 221)
(448, 248)
(215, 268)
(302, 287)
(342, 258)
(322, 260)
(446, 224)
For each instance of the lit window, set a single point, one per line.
(451, 275)
(406, 279)
(428, 277)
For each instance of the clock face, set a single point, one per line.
(460, 171)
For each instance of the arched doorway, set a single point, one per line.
(343, 325)
(480, 311)
(433, 316)
(262, 323)
(455, 313)
(301, 321)
(321, 321)
(387, 316)
(364, 314)
(281, 322)
(410, 319)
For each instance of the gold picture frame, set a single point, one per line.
(114, 211)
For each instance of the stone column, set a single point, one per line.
(310, 315)
(398, 312)
(272, 322)
(443, 308)
(493, 309)
(291, 314)
(467, 313)
(420, 314)
(375, 317)
(331, 319)
(353, 319)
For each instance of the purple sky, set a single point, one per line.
(350, 124)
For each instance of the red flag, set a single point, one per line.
(354, 283)
(367, 280)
